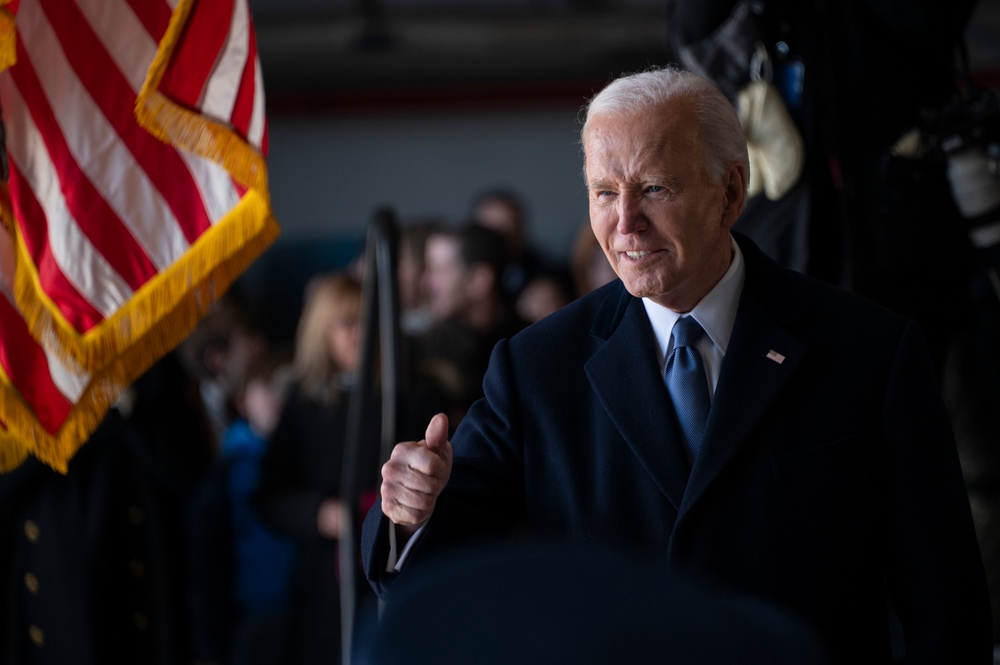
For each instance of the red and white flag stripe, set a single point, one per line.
(136, 137)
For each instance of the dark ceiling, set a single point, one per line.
(364, 54)
(432, 54)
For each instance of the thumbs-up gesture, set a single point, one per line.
(414, 477)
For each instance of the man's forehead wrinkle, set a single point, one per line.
(641, 165)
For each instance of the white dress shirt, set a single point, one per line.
(716, 313)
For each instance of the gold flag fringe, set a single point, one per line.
(187, 129)
(181, 128)
(8, 38)
(175, 301)
(12, 451)
(164, 311)
(147, 306)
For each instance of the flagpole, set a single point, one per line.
(379, 316)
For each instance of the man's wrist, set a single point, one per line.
(405, 531)
(401, 540)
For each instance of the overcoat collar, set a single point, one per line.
(762, 357)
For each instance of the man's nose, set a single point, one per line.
(631, 218)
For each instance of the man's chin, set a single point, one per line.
(641, 289)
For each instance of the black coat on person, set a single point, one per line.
(827, 484)
(304, 465)
(93, 561)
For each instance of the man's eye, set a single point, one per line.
(655, 189)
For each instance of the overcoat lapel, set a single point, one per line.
(623, 374)
(762, 357)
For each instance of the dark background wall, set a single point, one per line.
(420, 104)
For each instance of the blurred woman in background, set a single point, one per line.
(300, 489)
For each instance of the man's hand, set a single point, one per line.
(414, 477)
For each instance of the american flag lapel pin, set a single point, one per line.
(775, 356)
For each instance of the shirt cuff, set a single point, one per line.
(396, 559)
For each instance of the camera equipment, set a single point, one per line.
(966, 134)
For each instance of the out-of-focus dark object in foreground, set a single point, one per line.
(574, 605)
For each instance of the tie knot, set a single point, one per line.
(686, 332)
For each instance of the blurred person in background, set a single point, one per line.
(542, 296)
(264, 559)
(93, 561)
(414, 313)
(504, 211)
(302, 470)
(243, 567)
(471, 310)
(588, 263)
(218, 352)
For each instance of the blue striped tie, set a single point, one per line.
(686, 382)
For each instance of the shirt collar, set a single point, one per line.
(716, 312)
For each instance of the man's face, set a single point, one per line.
(444, 277)
(662, 224)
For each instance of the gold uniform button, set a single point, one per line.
(37, 635)
(135, 515)
(31, 582)
(137, 568)
(32, 531)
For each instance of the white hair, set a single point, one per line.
(721, 134)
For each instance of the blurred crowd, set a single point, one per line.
(200, 523)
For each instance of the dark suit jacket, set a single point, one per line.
(828, 481)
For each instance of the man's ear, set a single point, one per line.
(735, 193)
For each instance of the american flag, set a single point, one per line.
(137, 192)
